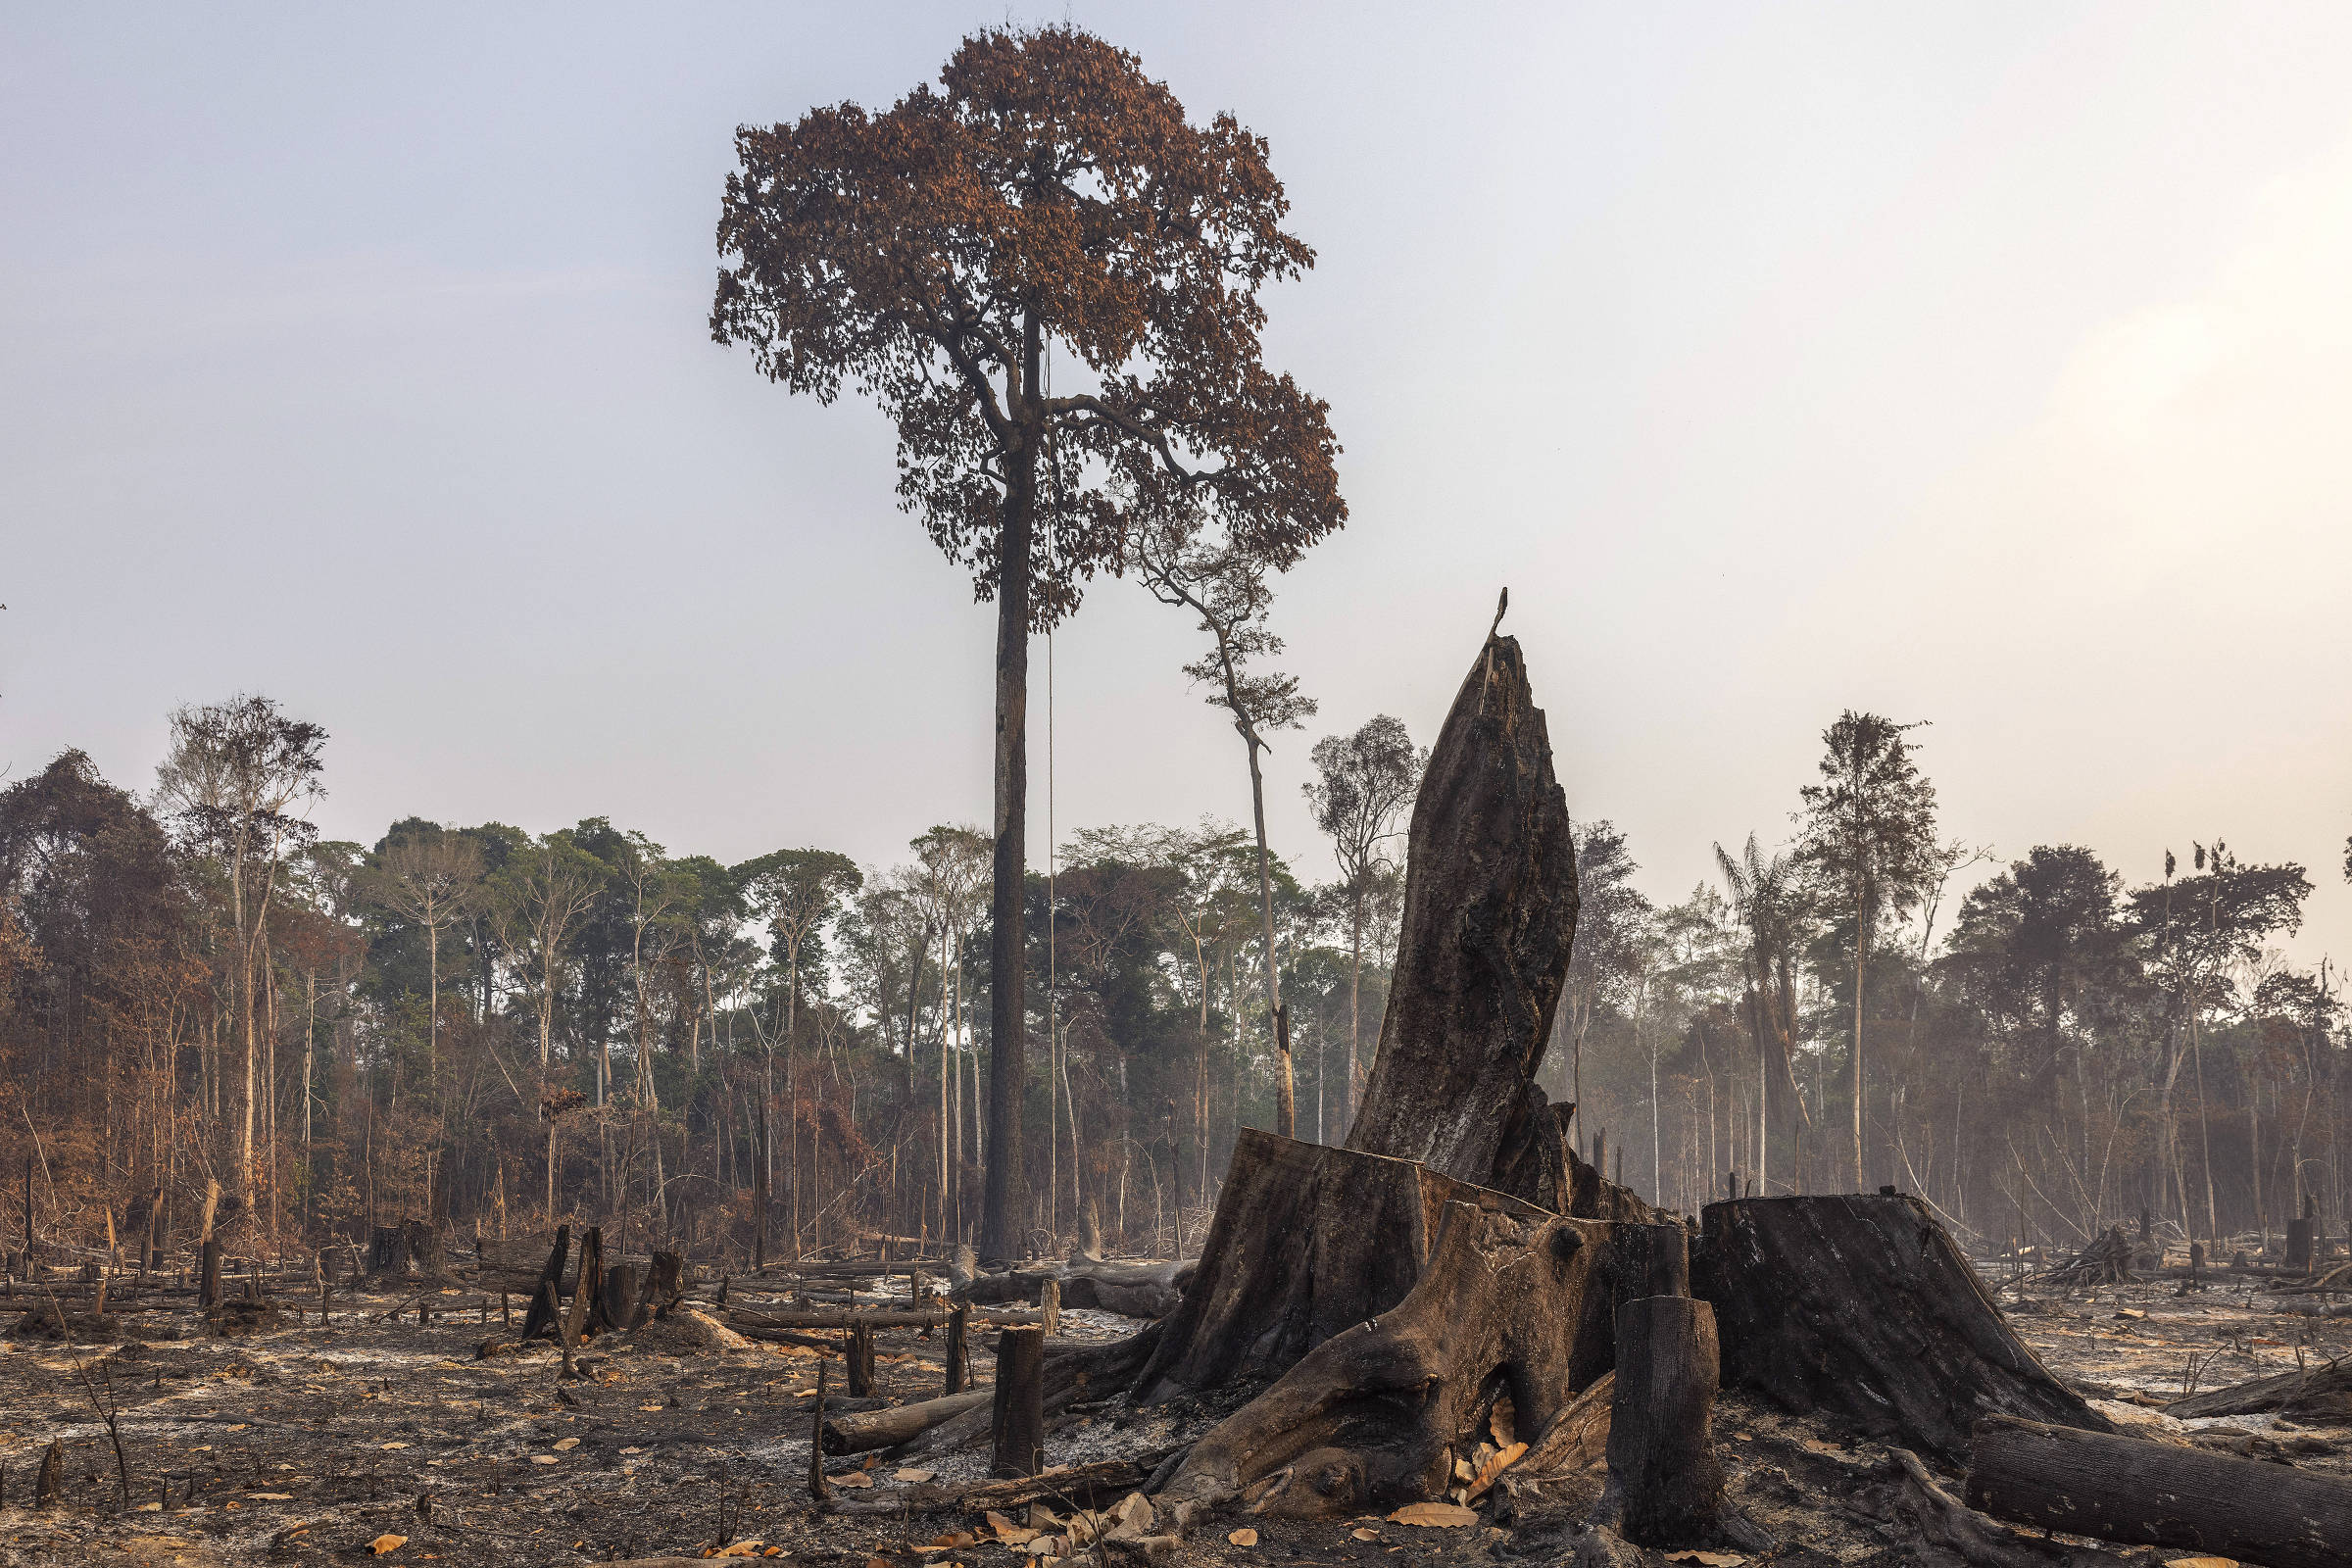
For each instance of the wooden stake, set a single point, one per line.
(1048, 1304)
(861, 1360)
(960, 1371)
(1019, 1423)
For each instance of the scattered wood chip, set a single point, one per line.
(269, 1497)
(2200, 1562)
(395, 1446)
(1005, 1531)
(912, 1475)
(649, 1407)
(543, 1458)
(740, 1548)
(1242, 1538)
(855, 1478)
(632, 1450)
(2134, 1311)
(565, 1444)
(1493, 1468)
(1434, 1515)
(1361, 1534)
(1707, 1559)
(385, 1543)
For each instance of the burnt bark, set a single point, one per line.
(2323, 1392)
(541, 1317)
(1664, 1474)
(1018, 1405)
(864, 1429)
(2139, 1492)
(1510, 1300)
(1307, 1241)
(1861, 1306)
(1490, 914)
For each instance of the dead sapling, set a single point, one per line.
(110, 1410)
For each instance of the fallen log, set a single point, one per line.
(744, 1319)
(898, 1423)
(2320, 1391)
(1073, 1372)
(1083, 1485)
(2138, 1492)
(1861, 1306)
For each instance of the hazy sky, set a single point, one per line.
(1986, 364)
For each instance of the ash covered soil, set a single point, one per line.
(310, 1443)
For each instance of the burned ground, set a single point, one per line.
(309, 1441)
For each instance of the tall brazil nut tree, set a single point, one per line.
(1046, 196)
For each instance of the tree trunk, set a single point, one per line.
(865, 1431)
(1003, 1202)
(541, 1317)
(2145, 1493)
(1510, 1300)
(1663, 1472)
(1862, 1306)
(2319, 1392)
(1018, 1404)
(1490, 914)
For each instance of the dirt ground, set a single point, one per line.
(308, 1443)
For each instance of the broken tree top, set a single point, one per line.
(1490, 914)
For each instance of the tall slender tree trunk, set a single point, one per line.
(1862, 923)
(1002, 1199)
(1285, 1108)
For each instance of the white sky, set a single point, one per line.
(1989, 365)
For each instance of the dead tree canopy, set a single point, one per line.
(1861, 1305)
(1490, 913)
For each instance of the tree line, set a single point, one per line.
(2053, 1052)
(207, 1007)
(201, 1000)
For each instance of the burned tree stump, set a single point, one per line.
(1490, 914)
(1663, 1473)
(618, 1304)
(1862, 1306)
(666, 1284)
(207, 1276)
(588, 1285)
(861, 1360)
(1307, 1241)
(1510, 1300)
(2145, 1493)
(1019, 1403)
(541, 1316)
(958, 1365)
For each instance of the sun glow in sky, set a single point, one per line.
(1989, 365)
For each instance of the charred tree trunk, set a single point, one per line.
(1861, 1306)
(1019, 1403)
(1490, 914)
(541, 1317)
(2323, 1393)
(2146, 1494)
(1307, 1241)
(864, 1429)
(1662, 1446)
(1511, 1300)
